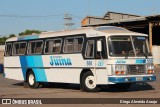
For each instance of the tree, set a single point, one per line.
(12, 35)
(26, 32)
(3, 40)
(29, 32)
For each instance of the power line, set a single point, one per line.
(77, 16)
(29, 16)
(44, 16)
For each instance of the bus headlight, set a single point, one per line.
(120, 69)
(150, 69)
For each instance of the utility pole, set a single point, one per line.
(68, 24)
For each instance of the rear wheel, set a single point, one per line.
(88, 83)
(31, 80)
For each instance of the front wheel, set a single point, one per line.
(31, 80)
(88, 83)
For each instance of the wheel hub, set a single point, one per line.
(31, 79)
(90, 82)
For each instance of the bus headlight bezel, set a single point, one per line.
(120, 69)
(150, 69)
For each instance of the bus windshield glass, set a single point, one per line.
(141, 46)
(122, 46)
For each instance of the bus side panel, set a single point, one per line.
(64, 67)
(12, 68)
(101, 76)
(63, 75)
(15, 73)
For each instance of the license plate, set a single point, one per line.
(139, 78)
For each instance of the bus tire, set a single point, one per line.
(25, 84)
(88, 83)
(31, 79)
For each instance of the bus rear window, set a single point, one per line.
(8, 49)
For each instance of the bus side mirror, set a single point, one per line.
(99, 46)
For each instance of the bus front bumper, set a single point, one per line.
(118, 79)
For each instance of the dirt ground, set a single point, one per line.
(14, 89)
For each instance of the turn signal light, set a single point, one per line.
(150, 71)
(122, 72)
(117, 72)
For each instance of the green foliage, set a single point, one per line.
(12, 35)
(29, 32)
(26, 32)
(3, 40)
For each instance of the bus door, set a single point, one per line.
(100, 53)
(95, 58)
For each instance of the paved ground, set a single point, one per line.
(14, 89)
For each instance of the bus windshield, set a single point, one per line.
(141, 46)
(122, 46)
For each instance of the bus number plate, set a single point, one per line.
(139, 78)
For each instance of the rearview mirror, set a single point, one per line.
(99, 45)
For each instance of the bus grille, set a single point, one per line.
(136, 69)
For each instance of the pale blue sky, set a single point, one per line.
(78, 8)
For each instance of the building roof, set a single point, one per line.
(110, 12)
(113, 18)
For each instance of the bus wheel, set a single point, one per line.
(88, 83)
(32, 80)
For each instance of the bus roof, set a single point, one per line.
(84, 30)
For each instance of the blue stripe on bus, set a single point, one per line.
(32, 62)
(29, 37)
(131, 79)
(35, 62)
(23, 62)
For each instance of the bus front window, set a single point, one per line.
(120, 46)
(141, 46)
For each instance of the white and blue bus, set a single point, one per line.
(87, 56)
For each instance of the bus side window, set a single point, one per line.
(56, 46)
(53, 46)
(35, 47)
(15, 48)
(78, 43)
(69, 45)
(48, 46)
(19, 48)
(90, 49)
(73, 44)
(8, 49)
(38, 47)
